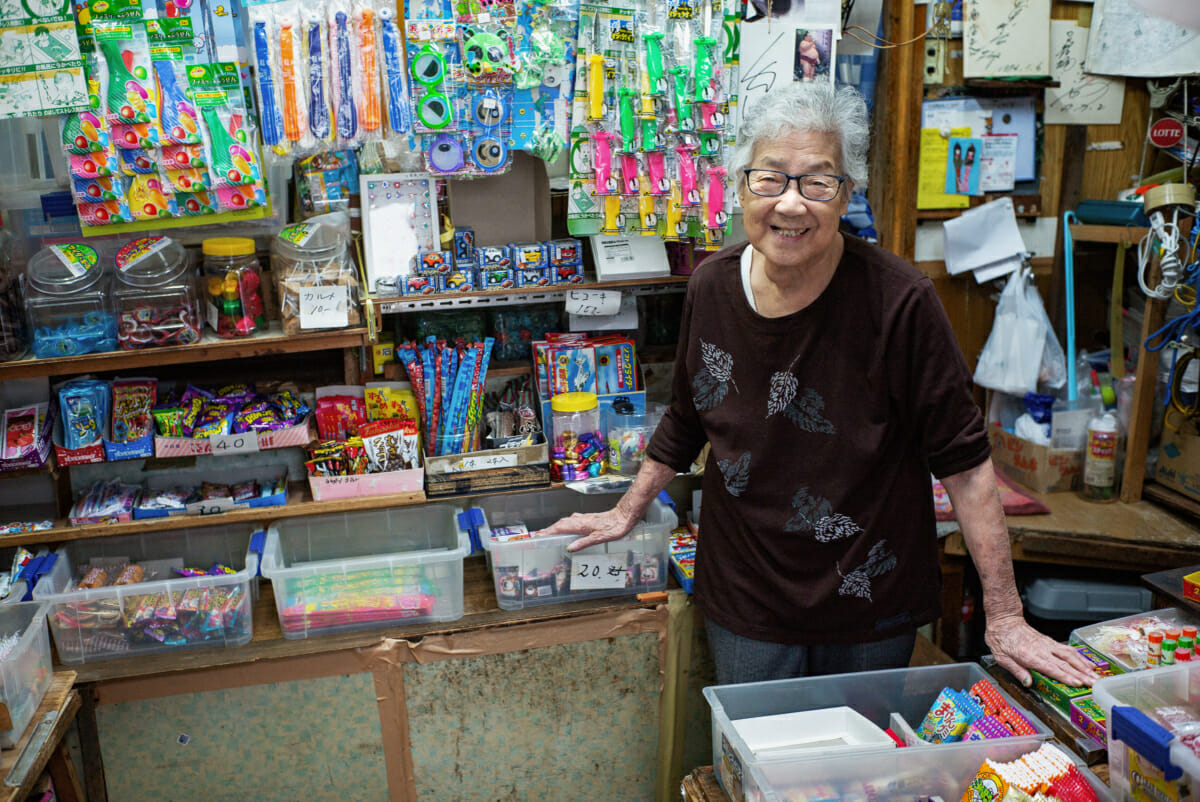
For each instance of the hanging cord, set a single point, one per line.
(1172, 268)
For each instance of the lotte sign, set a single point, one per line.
(1166, 132)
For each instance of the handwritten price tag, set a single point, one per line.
(324, 307)
(483, 463)
(225, 444)
(593, 303)
(598, 571)
(211, 506)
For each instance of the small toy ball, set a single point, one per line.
(93, 191)
(192, 205)
(150, 209)
(82, 142)
(234, 176)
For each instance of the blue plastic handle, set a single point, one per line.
(1069, 278)
(258, 542)
(1146, 737)
(470, 521)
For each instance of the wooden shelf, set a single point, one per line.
(479, 611)
(1024, 206)
(1016, 84)
(300, 503)
(211, 349)
(1110, 234)
(522, 295)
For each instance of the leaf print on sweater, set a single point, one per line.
(806, 412)
(711, 383)
(807, 512)
(858, 582)
(736, 473)
(836, 527)
(783, 390)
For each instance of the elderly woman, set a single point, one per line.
(826, 376)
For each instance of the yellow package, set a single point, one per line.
(387, 401)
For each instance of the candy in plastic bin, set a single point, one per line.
(948, 719)
(987, 696)
(95, 578)
(981, 729)
(217, 569)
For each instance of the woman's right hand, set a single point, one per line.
(595, 527)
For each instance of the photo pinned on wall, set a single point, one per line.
(963, 166)
(814, 54)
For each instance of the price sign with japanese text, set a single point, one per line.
(324, 307)
(593, 303)
(483, 462)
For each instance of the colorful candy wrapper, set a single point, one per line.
(987, 696)
(236, 392)
(132, 401)
(981, 729)
(948, 719)
(391, 445)
(217, 418)
(193, 408)
(257, 417)
(84, 410)
(339, 416)
(291, 407)
(244, 491)
(168, 420)
(385, 403)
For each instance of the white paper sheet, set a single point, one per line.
(1082, 98)
(769, 49)
(998, 162)
(1016, 115)
(1126, 41)
(981, 237)
(1003, 38)
(957, 112)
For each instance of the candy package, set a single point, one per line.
(339, 416)
(105, 501)
(1048, 771)
(391, 445)
(290, 406)
(132, 400)
(948, 719)
(21, 429)
(84, 410)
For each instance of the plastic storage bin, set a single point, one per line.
(314, 255)
(1127, 659)
(334, 573)
(876, 695)
(540, 571)
(898, 774)
(68, 301)
(1129, 702)
(156, 295)
(25, 675)
(165, 611)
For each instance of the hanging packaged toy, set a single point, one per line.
(127, 84)
(229, 131)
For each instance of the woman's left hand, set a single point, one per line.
(1019, 647)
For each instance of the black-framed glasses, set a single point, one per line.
(813, 186)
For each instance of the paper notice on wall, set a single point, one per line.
(1127, 41)
(1006, 39)
(998, 164)
(931, 171)
(41, 69)
(1081, 98)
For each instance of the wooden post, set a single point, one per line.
(1141, 409)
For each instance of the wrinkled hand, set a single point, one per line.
(596, 527)
(1018, 646)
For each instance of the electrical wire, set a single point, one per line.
(1169, 263)
(887, 45)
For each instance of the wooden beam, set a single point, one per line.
(896, 115)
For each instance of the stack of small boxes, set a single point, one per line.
(1077, 703)
(496, 267)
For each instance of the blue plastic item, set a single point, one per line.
(1069, 278)
(1146, 737)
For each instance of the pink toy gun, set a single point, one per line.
(602, 161)
(687, 176)
(656, 166)
(715, 197)
(629, 173)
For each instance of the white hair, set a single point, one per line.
(803, 107)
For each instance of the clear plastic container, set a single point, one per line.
(308, 256)
(26, 673)
(578, 449)
(629, 433)
(155, 293)
(1136, 734)
(904, 773)
(1129, 654)
(880, 696)
(347, 571)
(13, 338)
(539, 570)
(68, 299)
(232, 282)
(165, 611)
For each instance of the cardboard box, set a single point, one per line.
(1179, 461)
(297, 435)
(1191, 586)
(1056, 693)
(1040, 468)
(325, 488)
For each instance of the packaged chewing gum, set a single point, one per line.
(508, 532)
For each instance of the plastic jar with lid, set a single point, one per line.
(155, 292)
(68, 300)
(578, 450)
(315, 278)
(629, 433)
(13, 339)
(232, 287)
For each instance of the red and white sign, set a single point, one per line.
(1166, 132)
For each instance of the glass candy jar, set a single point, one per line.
(69, 303)
(232, 283)
(155, 295)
